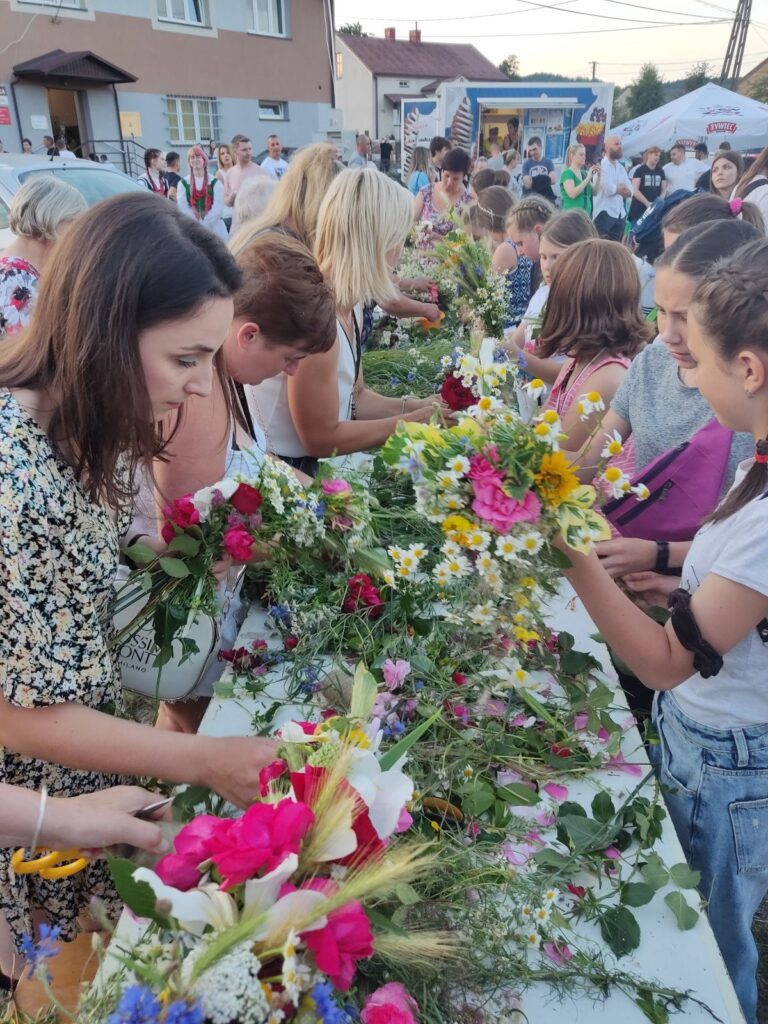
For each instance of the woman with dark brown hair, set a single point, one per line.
(593, 318)
(727, 168)
(116, 344)
(753, 184)
(284, 312)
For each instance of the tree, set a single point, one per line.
(510, 66)
(758, 89)
(699, 75)
(352, 28)
(647, 93)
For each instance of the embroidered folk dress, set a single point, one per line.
(58, 559)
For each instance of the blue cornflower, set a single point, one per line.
(37, 954)
(479, 272)
(418, 685)
(394, 381)
(411, 376)
(327, 1009)
(138, 1005)
(320, 510)
(182, 1013)
(280, 613)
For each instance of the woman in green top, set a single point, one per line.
(576, 183)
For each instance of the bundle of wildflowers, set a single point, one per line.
(465, 266)
(467, 376)
(270, 515)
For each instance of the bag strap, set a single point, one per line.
(755, 184)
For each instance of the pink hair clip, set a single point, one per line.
(736, 206)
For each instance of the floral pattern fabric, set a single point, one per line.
(441, 222)
(58, 559)
(18, 287)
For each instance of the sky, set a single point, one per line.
(580, 32)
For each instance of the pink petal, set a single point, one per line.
(556, 791)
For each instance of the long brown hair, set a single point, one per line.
(706, 206)
(284, 292)
(731, 304)
(759, 167)
(127, 265)
(594, 303)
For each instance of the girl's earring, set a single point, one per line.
(749, 394)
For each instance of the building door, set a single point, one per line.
(65, 108)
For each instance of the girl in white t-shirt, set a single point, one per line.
(709, 662)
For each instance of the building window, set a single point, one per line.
(76, 5)
(404, 84)
(187, 12)
(269, 17)
(273, 110)
(191, 119)
(339, 64)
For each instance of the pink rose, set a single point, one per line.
(261, 838)
(238, 543)
(270, 772)
(481, 469)
(336, 487)
(500, 511)
(193, 845)
(181, 513)
(345, 939)
(390, 1004)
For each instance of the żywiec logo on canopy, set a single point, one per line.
(721, 126)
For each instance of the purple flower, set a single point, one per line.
(46, 948)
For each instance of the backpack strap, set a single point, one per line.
(755, 184)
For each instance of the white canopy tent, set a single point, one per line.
(710, 114)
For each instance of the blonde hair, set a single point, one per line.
(530, 212)
(570, 153)
(296, 202)
(364, 217)
(42, 205)
(253, 197)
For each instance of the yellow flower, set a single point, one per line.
(457, 527)
(550, 416)
(555, 479)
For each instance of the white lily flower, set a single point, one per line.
(384, 793)
(195, 909)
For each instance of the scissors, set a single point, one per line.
(65, 863)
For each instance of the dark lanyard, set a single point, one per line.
(242, 412)
(357, 349)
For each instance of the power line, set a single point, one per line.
(578, 32)
(674, 63)
(585, 14)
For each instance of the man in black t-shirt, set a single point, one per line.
(386, 155)
(648, 183)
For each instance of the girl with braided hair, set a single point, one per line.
(202, 197)
(709, 663)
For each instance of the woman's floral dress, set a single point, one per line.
(441, 220)
(18, 287)
(58, 559)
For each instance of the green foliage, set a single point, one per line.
(510, 66)
(758, 90)
(352, 28)
(647, 92)
(699, 75)
(620, 931)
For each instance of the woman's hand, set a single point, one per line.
(652, 587)
(626, 554)
(231, 765)
(105, 818)
(426, 408)
(420, 284)
(432, 312)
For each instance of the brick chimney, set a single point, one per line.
(390, 33)
(414, 35)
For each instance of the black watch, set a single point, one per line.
(662, 556)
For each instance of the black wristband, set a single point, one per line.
(662, 556)
(706, 660)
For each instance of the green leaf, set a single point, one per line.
(571, 807)
(364, 691)
(141, 554)
(518, 795)
(476, 797)
(685, 915)
(393, 755)
(137, 896)
(552, 859)
(636, 894)
(185, 544)
(146, 582)
(654, 872)
(602, 807)
(173, 567)
(407, 894)
(585, 833)
(383, 923)
(684, 877)
(620, 930)
(653, 1008)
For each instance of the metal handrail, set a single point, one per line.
(126, 151)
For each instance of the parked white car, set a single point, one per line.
(94, 181)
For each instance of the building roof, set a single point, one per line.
(423, 60)
(80, 66)
(758, 71)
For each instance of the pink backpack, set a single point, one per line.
(685, 485)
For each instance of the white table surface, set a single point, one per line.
(687, 960)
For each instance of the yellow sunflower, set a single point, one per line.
(555, 479)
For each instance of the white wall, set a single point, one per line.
(389, 85)
(354, 92)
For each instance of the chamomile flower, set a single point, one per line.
(458, 567)
(446, 362)
(526, 912)
(550, 896)
(452, 501)
(388, 577)
(618, 481)
(290, 975)
(486, 563)
(395, 553)
(531, 543)
(446, 479)
(588, 404)
(640, 491)
(451, 549)
(405, 572)
(549, 429)
(541, 915)
(477, 540)
(487, 403)
(482, 614)
(507, 548)
(535, 388)
(459, 465)
(532, 939)
(418, 551)
(442, 575)
(613, 445)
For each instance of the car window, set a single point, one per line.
(4, 216)
(93, 184)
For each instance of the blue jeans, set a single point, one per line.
(720, 811)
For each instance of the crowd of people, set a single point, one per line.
(152, 343)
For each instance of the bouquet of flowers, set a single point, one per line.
(271, 515)
(468, 377)
(481, 293)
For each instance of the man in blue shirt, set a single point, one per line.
(538, 171)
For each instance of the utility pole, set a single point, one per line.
(731, 73)
(593, 65)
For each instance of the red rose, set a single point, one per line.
(181, 513)
(362, 596)
(455, 395)
(247, 499)
(290, 643)
(238, 543)
(460, 679)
